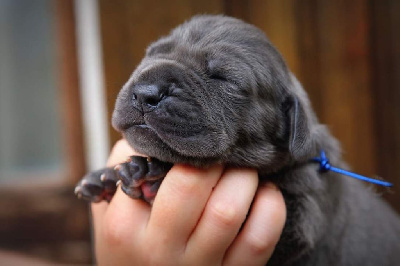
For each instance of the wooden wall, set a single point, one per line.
(345, 53)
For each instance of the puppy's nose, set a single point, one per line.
(147, 95)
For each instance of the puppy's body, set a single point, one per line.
(215, 90)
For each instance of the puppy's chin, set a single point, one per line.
(157, 143)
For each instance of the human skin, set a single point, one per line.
(196, 219)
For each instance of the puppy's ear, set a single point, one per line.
(298, 126)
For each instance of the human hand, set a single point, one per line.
(195, 219)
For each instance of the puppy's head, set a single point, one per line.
(214, 90)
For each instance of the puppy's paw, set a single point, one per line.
(97, 186)
(141, 177)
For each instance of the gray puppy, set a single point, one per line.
(216, 91)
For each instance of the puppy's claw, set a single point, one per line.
(78, 189)
(78, 192)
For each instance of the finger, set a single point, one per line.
(262, 230)
(224, 214)
(120, 231)
(98, 211)
(124, 221)
(183, 193)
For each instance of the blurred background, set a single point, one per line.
(62, 63)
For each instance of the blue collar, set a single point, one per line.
(325, 166)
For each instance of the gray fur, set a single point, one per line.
(229, 97)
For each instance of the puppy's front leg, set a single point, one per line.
(139, 177)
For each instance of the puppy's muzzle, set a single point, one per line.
(146, 97)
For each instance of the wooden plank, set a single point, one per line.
(386, 90)
(207, 7)
(45, 223)
(72, 131)
(277, 19)
(14, 258)
(238, 9)
(346, 91)
(114, 21)
(308, 47)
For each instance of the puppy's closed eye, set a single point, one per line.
(215, 71)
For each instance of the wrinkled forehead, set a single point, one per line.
(174, 49)
(199, 58)
(194, 41)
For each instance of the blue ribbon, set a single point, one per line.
(326, 166)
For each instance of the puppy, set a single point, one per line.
(216, 91)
